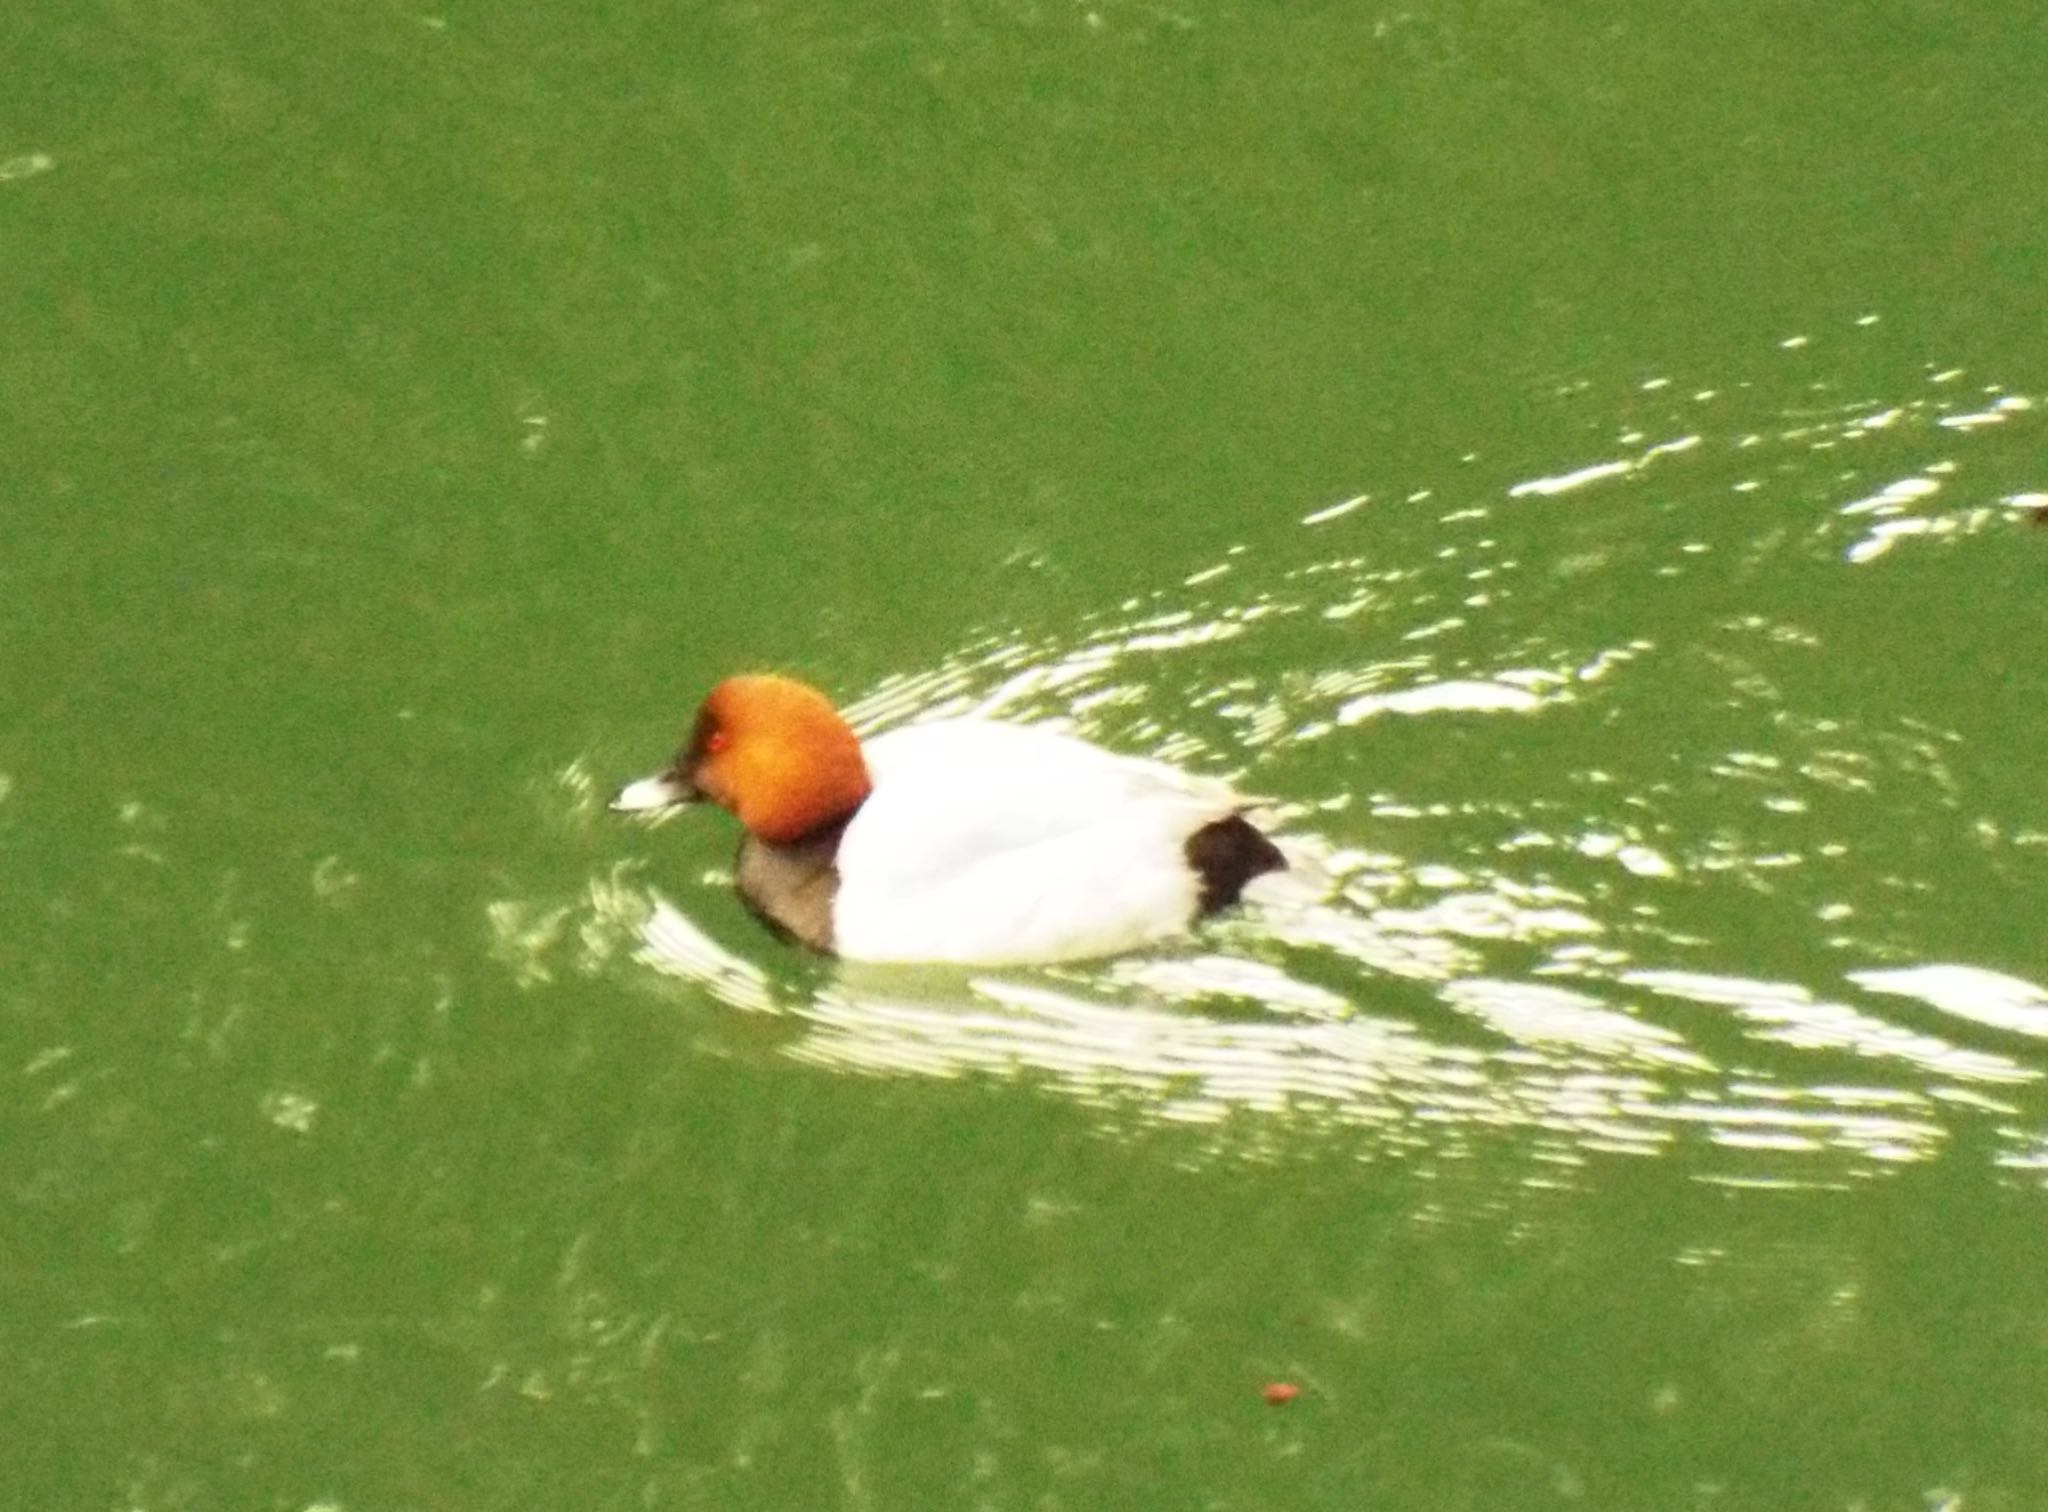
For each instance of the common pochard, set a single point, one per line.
(962, 840)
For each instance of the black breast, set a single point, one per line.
(1226, 854)
(791, 887)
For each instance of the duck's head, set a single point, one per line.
(770, 749)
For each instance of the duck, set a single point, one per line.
(971, 841)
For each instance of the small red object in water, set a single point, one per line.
(1280, 1393)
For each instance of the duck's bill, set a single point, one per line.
(654, 795)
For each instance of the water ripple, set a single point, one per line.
(1536, 849)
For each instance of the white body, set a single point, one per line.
(991, 844)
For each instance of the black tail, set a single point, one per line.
(1226, 854)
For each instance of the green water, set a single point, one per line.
(1578, 466)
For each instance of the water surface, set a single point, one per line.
(1580, 471)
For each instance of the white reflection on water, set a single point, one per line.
(1898, 510)
(1968, 992)
(1575, 1072)
(1903, 508)
(1530, 1013)
(1443, 697)
(1787, 1014)
(1598, 472)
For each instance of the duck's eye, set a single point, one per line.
(716, 741)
